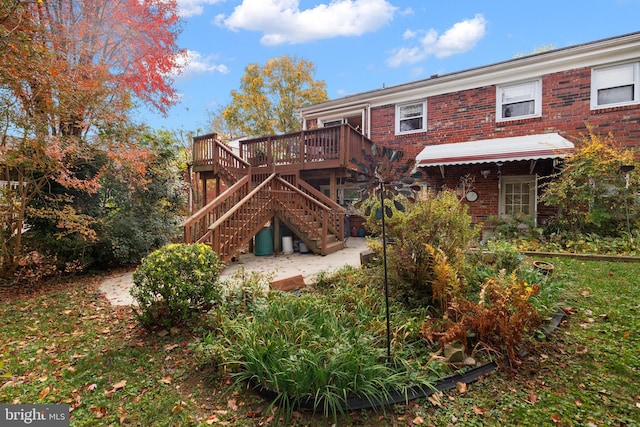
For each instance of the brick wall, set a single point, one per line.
(470, 115)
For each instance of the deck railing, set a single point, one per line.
(309, 148)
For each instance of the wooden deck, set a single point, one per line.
(323, 148)
(265, 181)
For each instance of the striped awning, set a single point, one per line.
(529, 147)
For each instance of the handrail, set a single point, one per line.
(238, 206)
(337, 212)
(302, 193)
(196, 227)
(230, 191)
(322, 213)
(230, 151)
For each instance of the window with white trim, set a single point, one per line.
(616, 85)
(518, 101)
(518, 196)
(411, 117)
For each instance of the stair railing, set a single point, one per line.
(302, 210)
(197, 226)
(231, 167)
(336, 212)
(241, 222)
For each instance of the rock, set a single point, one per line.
(454, 352)
(469, 361)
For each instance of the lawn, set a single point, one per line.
(63, 343)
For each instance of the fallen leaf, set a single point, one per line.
(92, 387)
(533, 399)
(44, 392)
(435, 399)
(578, 402)
(461, 387)
(479, 410)
(166, 380)
(627, 334)
(99, 411)
(231, 404)
(582, 349)
(123, 415)
(556, 419)
(418, 420)
(170, 347)
(117, 386)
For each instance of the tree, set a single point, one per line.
(133, 212)
(71, 72)
(219, 125)
(269, 95)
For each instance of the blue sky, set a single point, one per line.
(361, 45)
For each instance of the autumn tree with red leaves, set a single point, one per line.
(71, 72)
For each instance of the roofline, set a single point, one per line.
(587, 54)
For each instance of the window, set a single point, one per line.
(411, 117)
(345, 194)
(334, 122)
(518, 101)
(518, 196)
(617, 85)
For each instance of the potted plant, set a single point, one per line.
(543, 267)
(259, 157)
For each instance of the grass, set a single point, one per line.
(64, 343)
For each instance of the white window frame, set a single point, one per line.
(340, 121)
(399, 119)
(535, 88)
(533, 193)
(601, 79)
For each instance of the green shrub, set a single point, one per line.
(440, 221)
(175, 283)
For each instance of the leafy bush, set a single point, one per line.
(175, 283)
(591, 192)
(443, 223)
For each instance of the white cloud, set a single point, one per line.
(461, 37)
(187, 8)
(193, 62)
(409, 34)
(282, 21)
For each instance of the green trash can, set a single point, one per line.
(264, 242)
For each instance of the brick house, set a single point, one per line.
(507, 124)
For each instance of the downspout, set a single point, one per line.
(368, 120)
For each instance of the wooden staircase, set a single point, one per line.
(253, 198)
